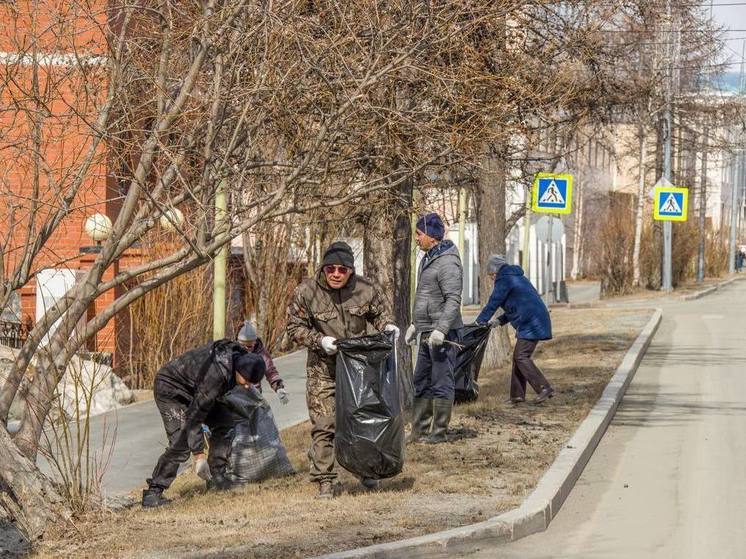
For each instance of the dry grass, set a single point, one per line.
(686, 288)
(499, 453)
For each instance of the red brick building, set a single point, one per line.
(52, 84)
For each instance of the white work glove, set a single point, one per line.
(329, 345)
(411, 335)
(202, 469)
(436, 338)
(393, 328)
(282, 394)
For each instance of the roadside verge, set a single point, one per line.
(543, 504)
(707, 291)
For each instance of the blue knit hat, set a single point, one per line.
(432, 226)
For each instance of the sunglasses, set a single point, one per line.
(333, 269)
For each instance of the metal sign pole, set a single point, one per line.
(667, 283)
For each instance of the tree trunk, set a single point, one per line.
(491, 220)
(51, 364)
(640, 210)
(26, 495)
(656, 274)
(39, 401)
(387, 250)
(490, 210)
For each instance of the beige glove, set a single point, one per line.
(393, 328)
(202, 468)
(436, 338)
(411, 335)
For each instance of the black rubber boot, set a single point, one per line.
(153, 498)
(422, 415)
(369, 483)
(441, 418)
(219, 483)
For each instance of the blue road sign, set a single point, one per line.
(671, 204)
(552, 193)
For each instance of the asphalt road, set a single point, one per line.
(131, 439)
(669, 477)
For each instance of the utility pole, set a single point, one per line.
(738, 179)
(462, 229)
(220, 265)
(667, 282)
(702, 206)
(527, 235)
(735, 179)
(461, 221)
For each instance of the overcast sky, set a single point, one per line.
(734, 19)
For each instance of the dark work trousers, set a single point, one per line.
(524, 369)
(433, 374)
(173, 413)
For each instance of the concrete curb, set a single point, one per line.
(543, 504)
(712, 289)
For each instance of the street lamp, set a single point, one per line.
(171, 220)
(99, 228)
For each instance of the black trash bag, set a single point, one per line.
(257, 453)
(369, 437)
(474, 339)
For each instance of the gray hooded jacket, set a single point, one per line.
(437, 302)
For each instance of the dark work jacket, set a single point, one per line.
(522, 304)
(197, 379)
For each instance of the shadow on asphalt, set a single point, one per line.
(671, 408)
(693, 356)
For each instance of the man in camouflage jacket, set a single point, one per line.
(335, 303)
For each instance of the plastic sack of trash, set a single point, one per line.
(369, 438)
(474, 339)
(257, 453)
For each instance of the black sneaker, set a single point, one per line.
(219, 482)
(546, 393)
(153, 498)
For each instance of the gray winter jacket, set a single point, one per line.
(437, 302)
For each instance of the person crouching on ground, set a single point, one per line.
(186, 393)
(437, 318)
(335, 303)
(528, 314)
(248, 337)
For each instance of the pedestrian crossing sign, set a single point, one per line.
(552, 193)
(670, 203)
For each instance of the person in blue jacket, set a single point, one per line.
(528, 314)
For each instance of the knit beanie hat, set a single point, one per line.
(432, 226)
(250, 366)
(247, 332)
(494, 263)
(339, 253)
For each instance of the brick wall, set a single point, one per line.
(48, 102)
